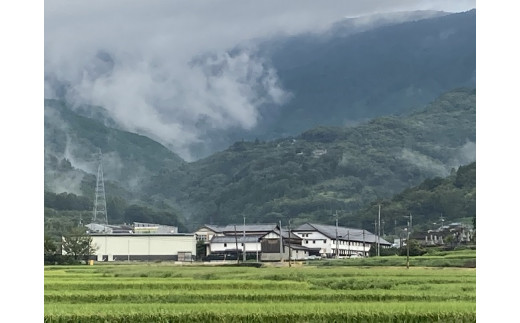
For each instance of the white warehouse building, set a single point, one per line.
(127, 247)
(345, 242)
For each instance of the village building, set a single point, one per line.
(291, 247)
(455, 233)
(258, 241)
(144, 246)
(141, 242)
(332, 241)
(222, 246)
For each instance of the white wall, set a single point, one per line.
(328, 245)
(250, 246)
(205, 234)
(315, 240)
(143, 245)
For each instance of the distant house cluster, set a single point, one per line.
(455, 233)
(261, 242)
(267, 242)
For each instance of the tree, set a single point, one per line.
(49, 247)
(201, 249)
(415, 248)
(78, 244)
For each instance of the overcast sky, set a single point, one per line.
(147, 63)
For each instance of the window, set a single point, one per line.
(225, 244)
(307, 241)
(313, 241)
(325, 241)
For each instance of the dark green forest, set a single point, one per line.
(310, 177)
(453, 198)
(65, 211)
(325, 169)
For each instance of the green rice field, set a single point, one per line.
(165, 292)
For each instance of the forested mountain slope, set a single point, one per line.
(325, 169)
(347, 77)
(70, 167)
(453, 198)
(71, 145)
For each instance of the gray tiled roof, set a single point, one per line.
(285, 234)
(214, 228)
(343, 233)
(239, 239)
(250, 228)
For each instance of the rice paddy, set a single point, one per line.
(170, 293)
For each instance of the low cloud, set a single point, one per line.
(424, 162)
(176, 70)
(464, 155)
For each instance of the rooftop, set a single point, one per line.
(344, 233)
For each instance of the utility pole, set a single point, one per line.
(289, 242)
(236, 243)
(281, 241)
(337, 249)
(379, 230)
(408, 246)
(244, 241)
(408, 229)
(364, 250)
(348, 242)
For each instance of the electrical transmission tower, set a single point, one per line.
(100, 203)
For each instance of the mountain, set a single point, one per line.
(284, 84)
(453, 198)
(71, 144)
(306, 177)
(310, 176)
(354, 72)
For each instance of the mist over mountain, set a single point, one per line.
(346, 78)
(196, 100)
(298, 113)
(72, 142)
(304, 177)
(324, 169)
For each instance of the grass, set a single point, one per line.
(168, 293)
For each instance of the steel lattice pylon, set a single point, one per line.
(100, 203)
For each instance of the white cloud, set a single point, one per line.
(163, 68)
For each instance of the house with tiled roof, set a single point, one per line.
(341, 241)
(221, 239)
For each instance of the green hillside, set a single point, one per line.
(67, 134)
(453, 198)
(324, 170)
(309, 177)
(71, 144)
